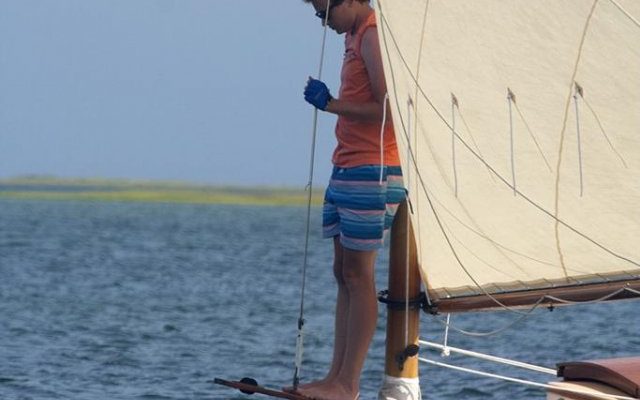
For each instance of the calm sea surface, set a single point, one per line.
(152, 301)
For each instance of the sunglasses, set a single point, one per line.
(323, 14)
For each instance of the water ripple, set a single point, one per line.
(150, 301)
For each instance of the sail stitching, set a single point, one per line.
(562, 136)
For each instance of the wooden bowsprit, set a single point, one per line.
(250, 386)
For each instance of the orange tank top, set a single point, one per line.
(359, 142)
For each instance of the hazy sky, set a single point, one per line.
(205, 91)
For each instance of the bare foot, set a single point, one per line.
(289, 389)
(329, 392)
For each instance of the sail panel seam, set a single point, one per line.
(562, 136)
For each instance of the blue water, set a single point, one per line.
(152, 301)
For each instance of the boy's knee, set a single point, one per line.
(356, 278)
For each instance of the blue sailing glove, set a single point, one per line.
(317, 94)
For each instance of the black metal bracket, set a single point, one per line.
(410, 351)
(415, 303)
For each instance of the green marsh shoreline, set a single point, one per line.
(108, 190)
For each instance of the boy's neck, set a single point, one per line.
(361, 15)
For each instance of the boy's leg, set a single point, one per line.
(341, 318)
(359, 276)
(359, 324)
(342, 310)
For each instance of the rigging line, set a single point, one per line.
(500, 177)
(604, 133)
(562, 136)
(524, 121)
(601, 299)
(536, 305)
(473, 140)
(454, 103)
(522, 381)
(488, 357)
(625, 12)
(511, 98)
(523, 315)
(480, 259)
(382, 128)
(415, 113)
(407, 252)
(446, 350)
(490, 240)
(411, 156)
(300, 333)
(575, 100)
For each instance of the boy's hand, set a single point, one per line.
(317, 94)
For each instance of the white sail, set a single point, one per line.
(518, 124)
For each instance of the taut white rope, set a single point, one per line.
(446, 351)
(488, 357)
(575, 99)
(300, 335)
(384, 122)
(511, 98)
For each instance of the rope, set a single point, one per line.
(408, 244)
(522, 381)
(602, 130)
(406, 281)
(575, 99)
(521, 317)
(446, 350)
(488, 357)
(601, 299)
(300, 335)
(626, 13)
(384, 122)
(454, 104)
(511, 99)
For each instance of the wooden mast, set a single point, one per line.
(403, 246)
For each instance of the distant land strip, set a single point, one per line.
(112, 190)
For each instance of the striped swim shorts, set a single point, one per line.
(359, 208)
